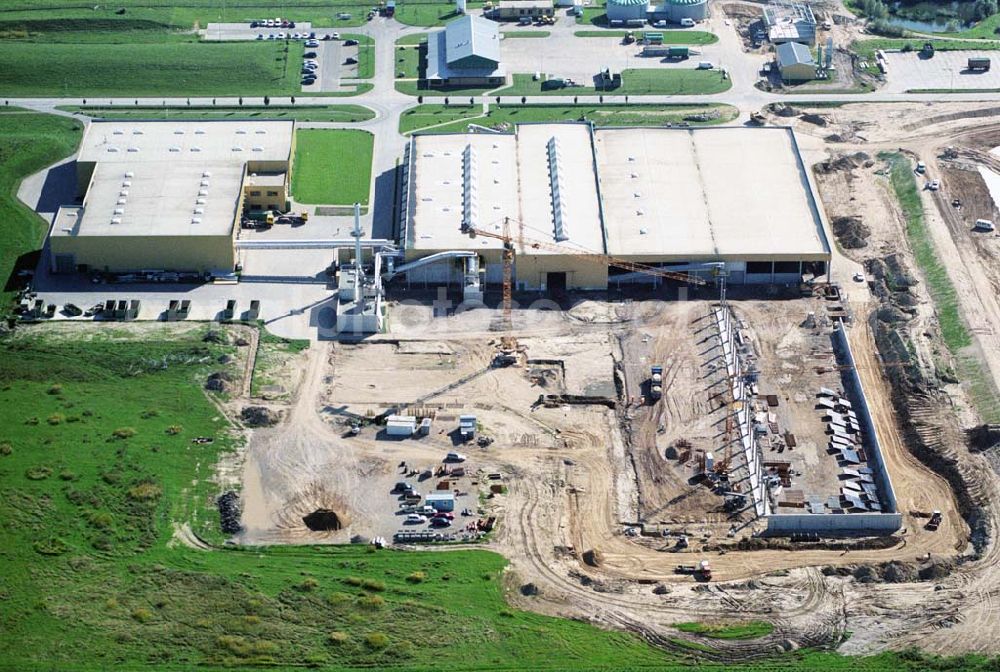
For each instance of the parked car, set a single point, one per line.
(312, 36)
(438, 521)
(402, 486)
(260, 36)
(687, 22)
(415, 519)
(254, 24)
(350, 61)
(334, 36)
(312, 44)
(452, 456)
(350, 43)
(444, 514)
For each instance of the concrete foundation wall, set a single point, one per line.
(834, 524)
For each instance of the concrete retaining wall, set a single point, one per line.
(834, 523)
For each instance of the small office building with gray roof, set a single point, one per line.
(465, 53)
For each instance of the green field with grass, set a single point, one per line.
(669, 36)
(953, 328)
(429, 13)
(866, 48)
(28, 143)
(98, 468)
(332, 166)
(150, 69)
(339, 113)
(745, 630)
(366, 54)
(525, 34)
(456, 118)
(189, 14)
(408, 62)
(635, 82)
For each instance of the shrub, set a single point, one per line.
(338, 598)
(174, 430)
(101, 519)
(149, 413)
(67, 475)
(377, 640)
(55, 419)
(373, 585)
(142, 614)
(6, 449)
(38, 473)
(308, 585)
(372, 602)
(353, 581)
(417, 577)
(123, 433)
(337, 637)
(52, 546)
(251, 619)
(144, 492)
(55, 389)
(31, 421)
(72, 418)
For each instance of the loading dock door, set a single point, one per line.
(65, 263)
(555, 282)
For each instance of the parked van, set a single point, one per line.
(705, 65)
(687, 22)
(985, 225)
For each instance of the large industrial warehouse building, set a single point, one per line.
(168, 196)
(682, 199)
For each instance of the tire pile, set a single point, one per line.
(229, 512)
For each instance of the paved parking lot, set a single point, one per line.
(945, 70)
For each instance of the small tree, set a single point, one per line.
(189, 102)
(267, 101)
(137, 102)
(213, 102)
(524, 99)
(84, 101)
(420, 100)
(293, 100)
(241, 101)
(600, 98)
(472, 101)
(576, 99)
(446, 101)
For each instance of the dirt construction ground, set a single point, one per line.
(580, 478)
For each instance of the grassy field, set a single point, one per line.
(366, 54)
(417, 13)
(150, 69)
(635, 82)
(273, 352)
(745, 630)
(412, 88)
(191, 13)
(96, 467)
(525, 34)
(455, 118)
(28, 142)
(866, 48)
(669, 36)
(340, 113)
(953, 329)
(332, 166)
(408, 62)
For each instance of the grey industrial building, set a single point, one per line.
(465, 53)
(638, 12)
(680, 199)
(795, 62)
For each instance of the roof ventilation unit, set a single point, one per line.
(129, 174)
(116, 220)
(557, 183)
(196, 148)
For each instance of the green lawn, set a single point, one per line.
(322, 13)
(669, 36)
(332, 167)
(635, 82)
(341, 113)
(96, 467)
(413, 38)
(866, 48)
(28, 142)
(454, 118)
(525, 34)
(366, 54)
(412, 88)
(429, 13)
(595, 16)
(953, 328)
(408, 62)
(150, 69)
(745, 630)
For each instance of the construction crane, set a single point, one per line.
(508, 344)
(577, 252)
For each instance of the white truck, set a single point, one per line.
(656, 382)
